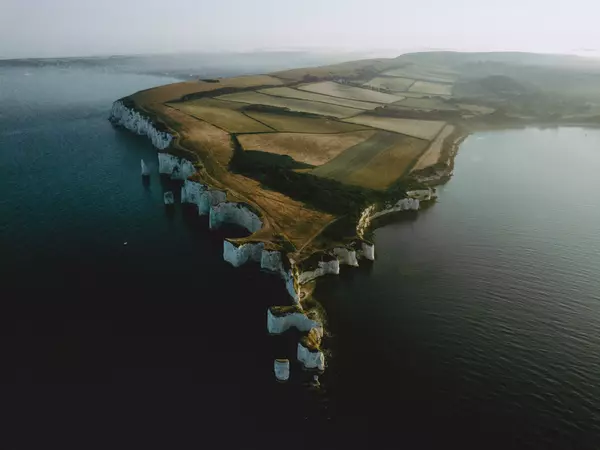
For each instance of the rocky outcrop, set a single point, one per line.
(311, 359)
(177, 168)
(346, 256)
(281, 368)
(279, 322)
(323, 268)
(134, 121)
(240, 255)
(145, 170)
(272, 261)
(234, 213)
(368, 251)
(169, 198)
(201, 196)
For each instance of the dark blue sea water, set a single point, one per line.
(478, 325)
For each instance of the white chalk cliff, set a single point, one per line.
(234, 213)
(281, 368)
(240, 255)
(169, 198)
(177, 168)
(201, 196)
(312, 360)
(277, 324)
(345, 256)
(145, 170)
(134, 121)
(324, 268)
(368, 251)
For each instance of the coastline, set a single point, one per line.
(223, 205)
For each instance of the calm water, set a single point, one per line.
(478, 323)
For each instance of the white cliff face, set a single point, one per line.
(345, 256)
(169, 198)
(235, 213)
(272, 261)
(282, 369)
(177, 168)
(145, 170)
(368, 251)
(239, 255)
(201, 196)
(324, 268)
(311, 360)
(280, 324)
(134, 121)
(406, 204)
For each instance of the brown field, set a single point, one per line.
(197, 136)
(427, 104)
(323, 109)
(391, 83)
(175, 91)
(354, 93)
(310, 96)
(221, 114)
(432, 154)
(298, 124)
(314, 149)
(421, 129)
(375, 163)
(428, 87)
(477, 109)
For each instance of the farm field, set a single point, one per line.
(390, 83)
(313, 149)
(476, 109)
(310, 96)
(293, 123)
(429, 87)
(350, 92)
(221, 114)
(427, 104)
(322, 109)
(421, 129)
(422, 72)
(432, 154)
(375, 163)
(170, 92)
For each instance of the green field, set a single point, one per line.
(323, 109)
(310, 96)
(354, 93)
(424, 72)
(428, 87)
(434, 103)
(313, 149)
(221, 114)
(289, 122)
(390, 83)
(421, 129)
(375, 163)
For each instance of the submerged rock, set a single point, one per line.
(145, 170)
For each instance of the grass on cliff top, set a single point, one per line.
(313, 149)
(222, 114)
(294, 123)
(375, 163)
(176, 91)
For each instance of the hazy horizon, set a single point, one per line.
(69, 28)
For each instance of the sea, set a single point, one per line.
(478, 325)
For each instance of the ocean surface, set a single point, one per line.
(477, 326)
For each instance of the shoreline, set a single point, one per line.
(223, 205)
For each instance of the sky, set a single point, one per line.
(50, 28)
